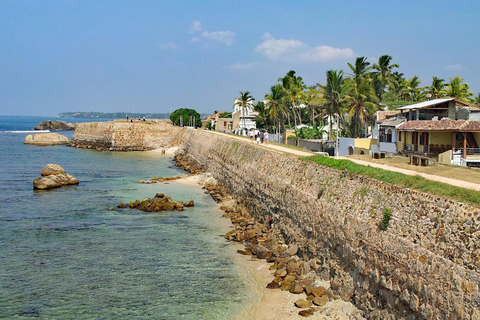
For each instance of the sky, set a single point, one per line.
(158, 56)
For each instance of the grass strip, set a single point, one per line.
(416, 182)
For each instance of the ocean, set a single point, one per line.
(65, 255)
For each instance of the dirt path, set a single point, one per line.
(453, 182)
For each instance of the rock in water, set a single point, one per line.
(55, 125)
(53, 176)
(46, 139)
(52, 169)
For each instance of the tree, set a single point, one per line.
(262, 117)
(245, 102)
(362, 96)
(277, 109)
(186, 117)
(293, 91)
(459, 90)
(412, 91)
(334, 97)
(383, 75)
(476, 99)
(312, 99)
(437, 89)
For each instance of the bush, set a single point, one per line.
(184, 114)
(385, 219)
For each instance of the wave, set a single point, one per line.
(27, 131)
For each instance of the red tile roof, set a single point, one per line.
(440, 125)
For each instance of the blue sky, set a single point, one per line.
(157, 56)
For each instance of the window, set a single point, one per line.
(388, 137)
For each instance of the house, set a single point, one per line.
(350, 146)
(385, 131)
(213, 118)
(224, 122)
(244, 119)
(441, 125)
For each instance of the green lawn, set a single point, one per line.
(471, 197)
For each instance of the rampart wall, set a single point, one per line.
(125, 136)
(425, 265)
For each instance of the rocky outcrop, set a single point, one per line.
(46, 139)
(55, 125)
(160, 202)
(53, 176)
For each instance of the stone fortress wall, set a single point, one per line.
(425, 265)
(125, 136)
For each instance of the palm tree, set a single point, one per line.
(245, 102)
(312, 99)
(459, 90)
(334, 97)
(362, 95)
(277, 109)
(412, 91)
(396, 87)
(437, 89)
(476, 99)
(293, 90)
(383, 75)
(263, 116)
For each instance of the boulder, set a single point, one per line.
(55, 125)
(302, 303)
(53, 176)
(320, 301)
(52, 169)
(46, 139)
(319, 291)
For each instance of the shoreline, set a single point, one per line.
(272, 304)
(169, 152)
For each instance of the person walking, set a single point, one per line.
(265, 136)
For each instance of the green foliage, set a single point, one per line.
(385, 219)
(225, 115)
(176, 115)
(309, 133)
(413, 182)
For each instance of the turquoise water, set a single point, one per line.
(65, 255)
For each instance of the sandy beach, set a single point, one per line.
(274, 304)
(169, 152)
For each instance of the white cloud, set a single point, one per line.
(242, 67)
(454, 67)
(225, 37)
(220, 36)
(278, 48)
(196, 26)
(168, 46)
(296, 50)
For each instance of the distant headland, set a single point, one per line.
(115, 115)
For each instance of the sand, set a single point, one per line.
(273, 304)
(169, 152)
(268, 304)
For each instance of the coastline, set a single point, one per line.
(169, 152)
(272, 304)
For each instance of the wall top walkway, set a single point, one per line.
(306, 153)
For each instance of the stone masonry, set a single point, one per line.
(425, 265)
(125, 136)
